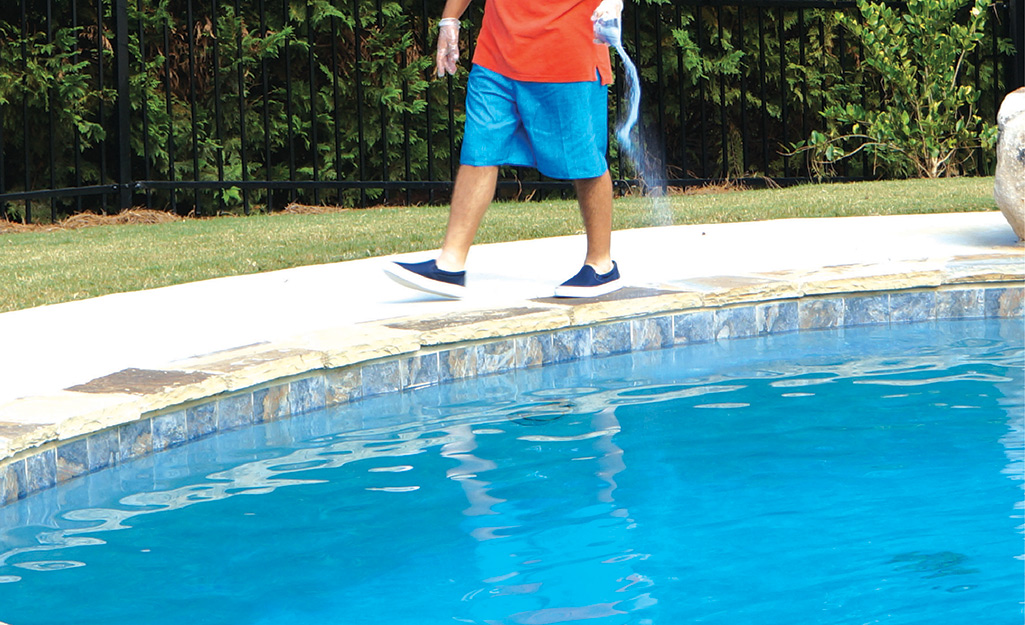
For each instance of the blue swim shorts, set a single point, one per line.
(559, 128)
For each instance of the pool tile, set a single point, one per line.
(41, 471)
(259, 401)
(104, 449)
(99, 486)
(496, 357)
(139, 474)
(457, 363)
(387, 410)
(382, 377)
(13, 485)
(71, 493)
(343, 385)
(651, 333)
(169, 430)
(301, 429)
(1005, 302)
(201, 420)
(457, 392)
(534, 350)
(693, 327)
(421, 370)
(776, 317)
(529, 379)
(107, 448)
(242, 444)
(235, 411)
(914, 306)
(610, 338)
(817, 314)
(271, 403)
(306, 395)
(866, 310)
(571, 344)
(731, 323)
(135, 439)
(496, 388)
(72, 459)
(960, 304)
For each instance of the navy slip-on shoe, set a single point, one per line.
(428, 278)
(589, 283)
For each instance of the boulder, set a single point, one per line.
(1009, 188)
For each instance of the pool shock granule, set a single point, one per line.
(610, 31)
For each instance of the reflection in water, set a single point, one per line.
(265, 476)
(457, 440)
(589, 437)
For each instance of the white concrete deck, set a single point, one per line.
(50, 348)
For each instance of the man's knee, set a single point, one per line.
(589, 182)
(477, 170)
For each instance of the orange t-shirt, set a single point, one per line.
(542, 41)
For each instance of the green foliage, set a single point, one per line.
(342, 90)
(306, 90)
(731, 72)
(46, 77)
(765, 75)
(295, 83)
(926, 121)
(785, 77)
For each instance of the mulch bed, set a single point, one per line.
(86, 220)
(142, 216)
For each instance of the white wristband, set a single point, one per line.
(445, 21)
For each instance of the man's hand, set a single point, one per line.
(608, 10)
(448, 46)
(605, 20)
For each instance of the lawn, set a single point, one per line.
(49, 267)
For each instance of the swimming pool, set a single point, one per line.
(869, 474)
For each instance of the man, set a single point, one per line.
(537, 96)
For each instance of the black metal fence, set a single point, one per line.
(207, 106)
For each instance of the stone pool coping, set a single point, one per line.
(50, 438)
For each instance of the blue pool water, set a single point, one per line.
(856, 476)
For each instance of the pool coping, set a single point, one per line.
(47, 440)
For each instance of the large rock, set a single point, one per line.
(1009, 189)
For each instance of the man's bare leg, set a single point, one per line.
(473, 192)
(595, 197)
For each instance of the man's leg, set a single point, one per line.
(473, 192)
(599, 275)
(595, 198)
(474, 188)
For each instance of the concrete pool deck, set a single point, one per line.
(72, 370)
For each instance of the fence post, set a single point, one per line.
(122, 60)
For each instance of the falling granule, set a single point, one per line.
(610, 32)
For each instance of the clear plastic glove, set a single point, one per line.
(448, 46)
(606, 22)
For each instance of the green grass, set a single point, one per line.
(40, 268)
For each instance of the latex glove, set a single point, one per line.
(448, 46)
(608, 9)
(606, 22)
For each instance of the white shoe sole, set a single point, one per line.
(588, 291)
(413, 280)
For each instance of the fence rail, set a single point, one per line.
(208, 106)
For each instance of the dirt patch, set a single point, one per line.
(87, 220)
(724, 186)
